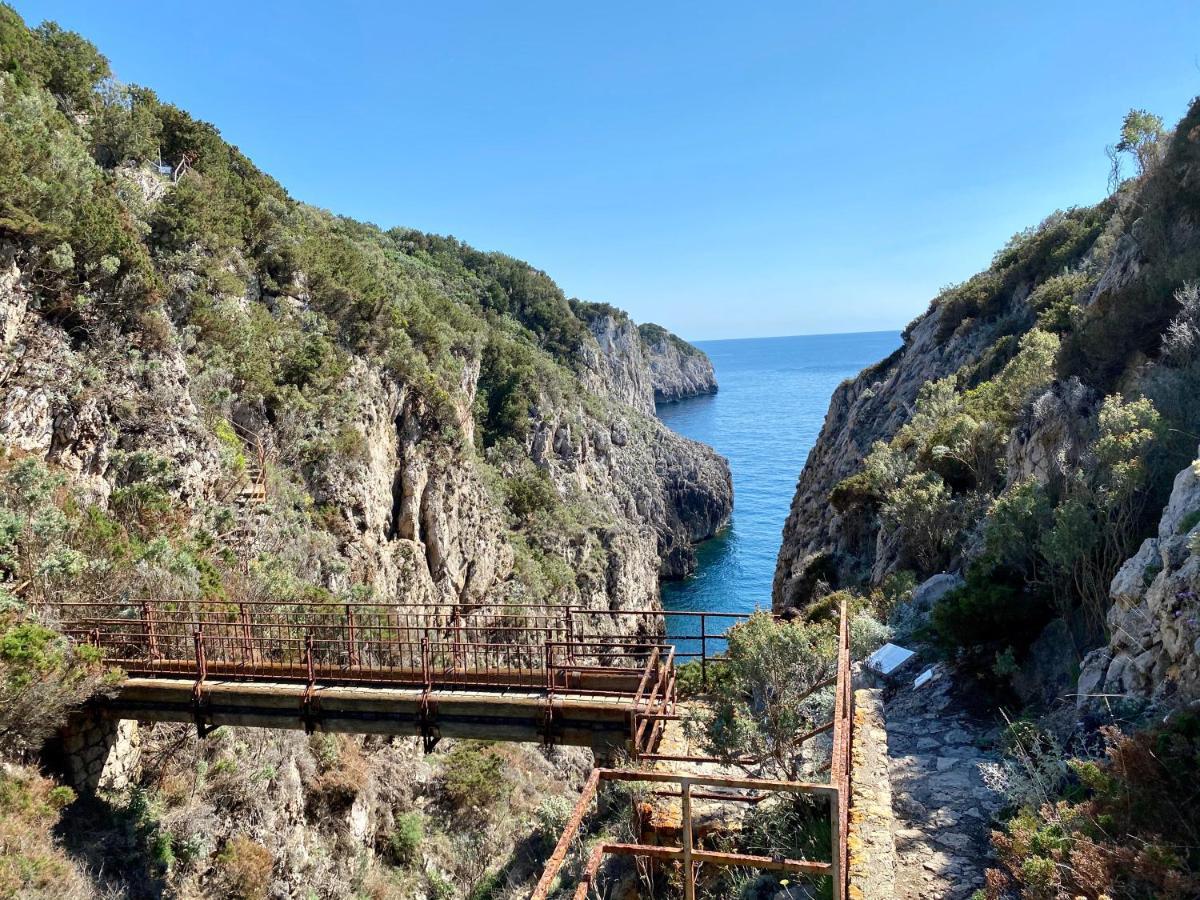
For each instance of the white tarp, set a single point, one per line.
(888, 658)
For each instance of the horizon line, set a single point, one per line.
(767, 337)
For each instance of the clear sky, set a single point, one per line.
(727, 170)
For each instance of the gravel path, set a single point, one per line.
(941, 806)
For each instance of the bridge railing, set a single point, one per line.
(365, 643)
(360, 639)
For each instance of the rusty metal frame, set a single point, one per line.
(837, 791)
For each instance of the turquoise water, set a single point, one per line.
(773, 396)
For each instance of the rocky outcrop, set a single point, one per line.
(820, 543)
(1154, 621)
(677, 369)
(616, 365)
(85, 406)
(640, 365)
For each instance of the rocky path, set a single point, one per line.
(941, 806)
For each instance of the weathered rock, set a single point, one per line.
(867, 408)
(616, 365)
(1154, 619)
(677, 369)
(911, 614)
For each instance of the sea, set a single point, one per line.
(771, 403)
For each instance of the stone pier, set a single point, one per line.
(102, 753)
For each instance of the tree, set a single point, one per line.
(72, 66)
(761, 700)
(1142, 135)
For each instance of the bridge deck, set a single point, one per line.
(565, 675)
(514, 714)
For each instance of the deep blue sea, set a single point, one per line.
(772, 398)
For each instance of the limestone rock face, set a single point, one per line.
(413, 517)
(819, 543)
(84, 407)
(677, 370)
(1154, 620)
(616, 364)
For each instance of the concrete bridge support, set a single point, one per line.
(102, 753)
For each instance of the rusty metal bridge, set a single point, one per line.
(560, 674)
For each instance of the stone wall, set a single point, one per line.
(102, 754)
(872, 849)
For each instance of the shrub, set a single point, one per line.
(404, 843)
(759, 705)
(344, 772)
(1121, 827)
(42, 679)
(551, 817)
(32, 865)
(473, 778)
(529, 493)
(923, 509)
(246, 868)
(988, 615)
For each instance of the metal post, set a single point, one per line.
(352, 655)
(689, 878)
(570, 636)
(835, 835)
(247, 640)
(151, 636)
(425, 663)
(703, 650)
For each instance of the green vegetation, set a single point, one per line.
(404, 843)
(31, 863)
(1119, 826)
(473, 778)
(761, 693)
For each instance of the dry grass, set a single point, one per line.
(32, 864)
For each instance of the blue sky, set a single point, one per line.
(726, 170)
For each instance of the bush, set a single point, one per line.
(759, 705)
(43, 678)
(404, 843)
(985, 615)
(551, 816)
(529, 493)
(32, 865)
(473, 778)
(1121, 827)
(923, 509)
(246, 868)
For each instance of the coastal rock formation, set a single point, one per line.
(615, 362)
(821, 543)
(677, 369)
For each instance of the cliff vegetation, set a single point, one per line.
(1026, 458)
(210, 391)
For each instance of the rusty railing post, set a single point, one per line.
(148, 624)
(835, 838)
(352, 649)
(703, 650)
(201, 656)
(247, 639)
(570, 625)
(685, 801)
(425, 677)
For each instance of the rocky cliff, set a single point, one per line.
(822, 543)
(209, 391)
(1153, 651)
(677, 369)
(1004, 381)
